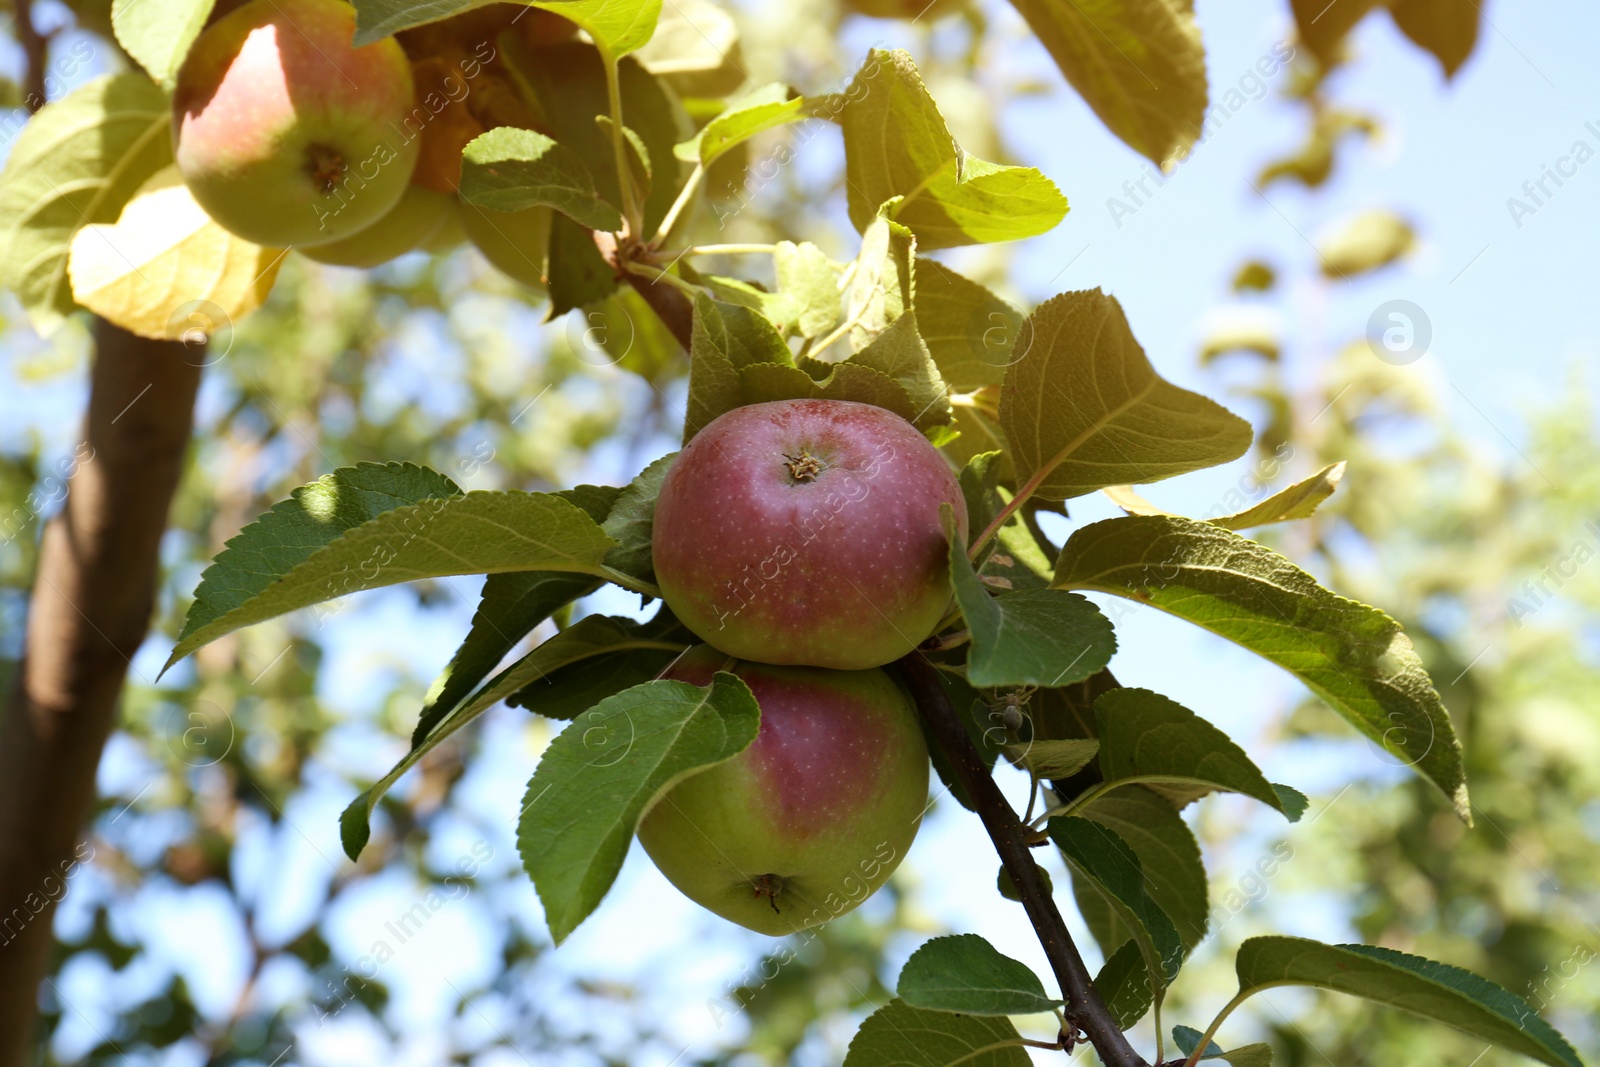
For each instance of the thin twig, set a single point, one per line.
(1085, 1011)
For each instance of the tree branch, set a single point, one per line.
(35, 54)
(671, 306)
(89, 612)
(1084, 1009)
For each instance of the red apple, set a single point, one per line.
(287, 134)
(814, 816)
(807, 532)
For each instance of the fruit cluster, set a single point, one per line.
(290, 136)
(802, 541)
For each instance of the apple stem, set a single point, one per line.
(630, 202)
(1085, 1011)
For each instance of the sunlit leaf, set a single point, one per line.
(599, 776)
(1353, 656)
(165, 270)
(1083, 409)
(964, 973)
(77, 162)
(1421, 986)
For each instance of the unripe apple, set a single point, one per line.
(513, 241)
(413, 221)
(287, 134)
(807, 532)
(814, 816)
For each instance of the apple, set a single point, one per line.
(413, 221)
(287, 134)
(814, 816)
(513, 241)
(807, 532)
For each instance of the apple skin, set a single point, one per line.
(285, 133)
(412, 222)
(814, 816)
(847, 568)
(514, 242)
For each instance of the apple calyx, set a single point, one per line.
(769, 886)
(803, 468)
(327, 166)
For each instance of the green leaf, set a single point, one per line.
(1145, 737)
(695, 50)
(508, 169)
(618, 26)
(1104, 859)
(899, 354)
(1363, 243)
(1083, 409)
(568, 691)
(159, 35)
(77, 161)
(963, 973)
(970, 332)
(574, 670)
(898, 1035)
(599, 776)
(1168, 853)
(759, 110)
(584, 642)
(1293, 802)
(897, 145)
(569, 82)
(1447, 28)
(1138, 64)
(259, 576)
(724, 338)
(1015, 561)
(638, 155)
(1187, 1038)
(736, 357)
(1353, 656)
(1421, 986)
(1298, 501)
(631, 520)
(1124, 985)
(808, 289)
(511, 605)
(578, 274)
(881, 289)
(1322, 26)
(1053, 759)
(1032, 637)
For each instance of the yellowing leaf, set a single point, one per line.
(164, 262)
(1364, 243)
(1138, 63)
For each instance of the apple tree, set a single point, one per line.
(851, 580)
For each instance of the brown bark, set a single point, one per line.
(1084, 1011)
(89, 612)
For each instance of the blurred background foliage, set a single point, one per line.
(197, 851)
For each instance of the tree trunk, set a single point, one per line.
(89, 612)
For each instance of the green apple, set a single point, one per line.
(412, 223)
(814, 816)
(513, 241)
(286, 133)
